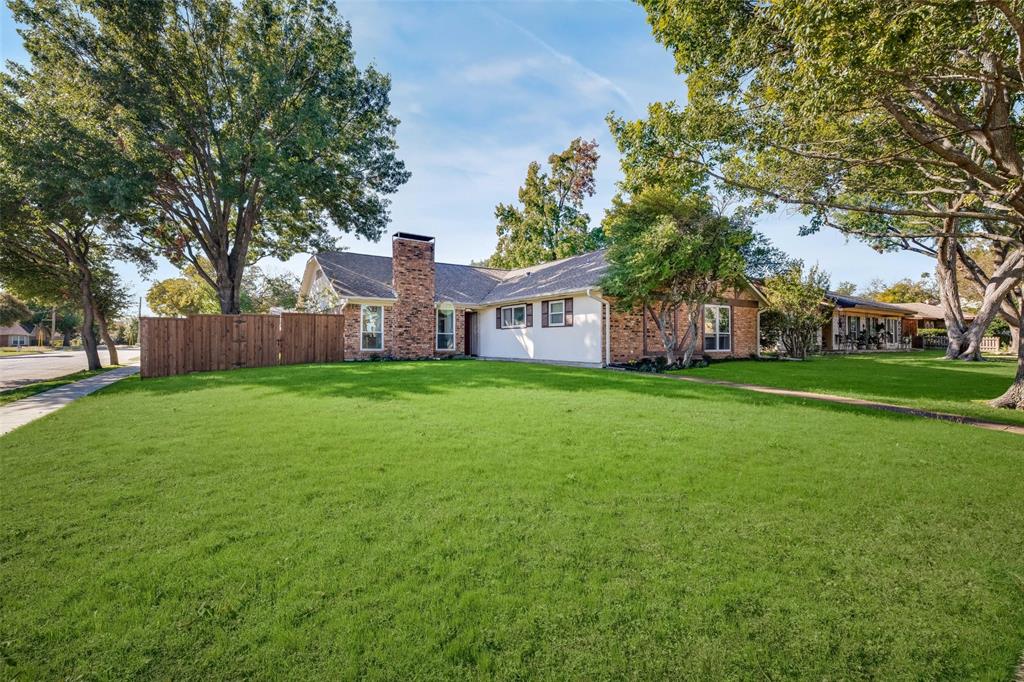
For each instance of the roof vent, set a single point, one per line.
(410, 235)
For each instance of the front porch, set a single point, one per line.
(849, 333)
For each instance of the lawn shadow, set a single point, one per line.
(898, 376)
(391, 381)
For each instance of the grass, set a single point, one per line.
(473, 519)
(12, 394)
(24, 350)
(923, 380)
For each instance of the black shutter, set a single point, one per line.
(543, 313)
(568, 312)
(497, 318)
(529, 314)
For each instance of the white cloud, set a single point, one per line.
(585, 80)
(501, 70)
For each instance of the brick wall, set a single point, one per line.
(352, 331)
(628, 330)
(412, 271)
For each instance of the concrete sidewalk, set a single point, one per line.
(21, 412)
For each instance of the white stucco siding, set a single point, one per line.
(579, 343)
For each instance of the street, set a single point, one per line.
(27, 369)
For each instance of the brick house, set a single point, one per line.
(409, 306)
(15, 335)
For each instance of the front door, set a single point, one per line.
(470, 334)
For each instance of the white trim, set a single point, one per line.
(560, 301)
(437, 334)
(718, 334)
(606, 312)
(501, 313)
(362, 310)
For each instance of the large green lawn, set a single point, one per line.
(467, 519)
(918, 379)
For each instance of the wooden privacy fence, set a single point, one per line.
(199, 343)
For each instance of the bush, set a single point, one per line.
(931, 332)
(656, 365)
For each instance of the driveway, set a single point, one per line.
(27, 369)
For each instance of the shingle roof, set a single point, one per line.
(357, 274)
(14, 330)
(844, 301)
(928, 310)
(363, 276)
(556, 277)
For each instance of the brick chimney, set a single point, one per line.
(412, 275)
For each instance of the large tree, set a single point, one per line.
(189, 294)
(906, 290)
(669, 253)
(898, 122)
(249, 121)
(550, 222)
(66, 192)
(12, 309)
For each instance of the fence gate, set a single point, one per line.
(201, 343)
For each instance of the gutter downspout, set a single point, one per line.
(758, 339)
(607, 309)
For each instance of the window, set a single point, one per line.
(513, 317)
(371, 327)
(556, 313)
(445, 329)
(717, 328)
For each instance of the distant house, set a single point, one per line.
(15, 335)
(859, 323)
(409, 306)
(928, 316)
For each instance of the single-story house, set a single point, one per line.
(409, 306)
(927, 316)
(858, 322)
(15, 335)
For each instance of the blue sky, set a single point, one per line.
(483, 88)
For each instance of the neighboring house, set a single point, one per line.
(858, 322)
(928, 316)
(409, 306)
(15, 335)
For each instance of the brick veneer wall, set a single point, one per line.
(412, 272)
(352, 351)
(460, 335)
(628, 328)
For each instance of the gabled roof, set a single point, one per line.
(357, 275)
(15, 330)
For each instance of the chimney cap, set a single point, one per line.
(410, 235)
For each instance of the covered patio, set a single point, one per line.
(862, 325)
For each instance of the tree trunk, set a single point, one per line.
(92, 355)
(1014, 396)
(663, 322)
(690, 346)
(949, 295)
(229, 295)
(101, 320)
(965, 339)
